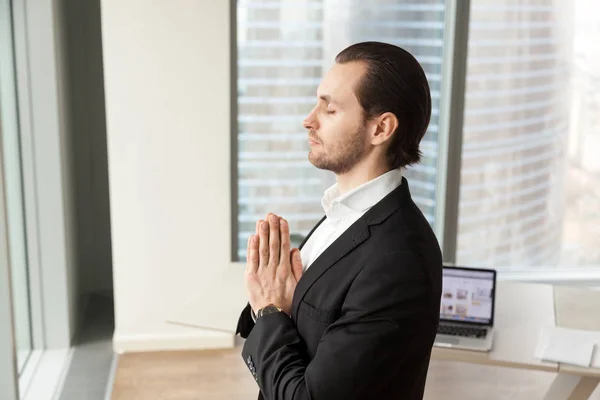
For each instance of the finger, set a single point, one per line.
(257, 232)
(252, 254)
(263, 244)
(284, 257)
(248, 252)
(274, 240)
(296, 260)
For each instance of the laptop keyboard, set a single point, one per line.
(462, 331)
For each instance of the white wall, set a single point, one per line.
(167, 88)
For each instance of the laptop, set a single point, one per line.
(467, 308)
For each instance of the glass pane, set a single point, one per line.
(13, 188)
(284, 49)
(530, 184)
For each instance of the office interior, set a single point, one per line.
(142, 140)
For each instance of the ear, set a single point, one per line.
(386, 125)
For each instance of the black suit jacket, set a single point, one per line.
(364, 315)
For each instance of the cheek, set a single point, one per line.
(338, 128)
(333, 125)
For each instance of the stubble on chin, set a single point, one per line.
(345, 157)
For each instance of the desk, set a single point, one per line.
(522, 309)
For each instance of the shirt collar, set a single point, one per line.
(361, 198)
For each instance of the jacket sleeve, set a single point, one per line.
(385, 313)
(245, 322)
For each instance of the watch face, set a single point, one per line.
(270, 309)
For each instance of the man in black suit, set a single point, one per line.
(353, 313)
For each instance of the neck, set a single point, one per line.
(359, 175)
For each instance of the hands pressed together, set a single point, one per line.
(272, 268)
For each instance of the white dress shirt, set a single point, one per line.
(344, 210)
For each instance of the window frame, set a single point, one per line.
(9, 375)
(452, 107)
(37, 36)
(8, 357)
(234, 130)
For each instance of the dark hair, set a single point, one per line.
(394, 82)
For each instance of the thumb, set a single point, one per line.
(296, 264)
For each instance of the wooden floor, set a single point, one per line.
(222, 375)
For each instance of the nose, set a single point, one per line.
(310, 122)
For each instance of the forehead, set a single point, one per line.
(341, 80)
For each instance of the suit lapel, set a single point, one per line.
(311, 232)
(349, 240)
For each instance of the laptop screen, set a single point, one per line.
(468, 295)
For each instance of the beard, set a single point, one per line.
(341, 157)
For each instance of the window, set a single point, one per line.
(529, 191)
(32, 189)
(530, 179)
(13, 191)
(284, 47)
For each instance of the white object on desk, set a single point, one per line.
(570, 346)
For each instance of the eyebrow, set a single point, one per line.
(327, 98)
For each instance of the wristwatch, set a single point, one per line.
(270, 309)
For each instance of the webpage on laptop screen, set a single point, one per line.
(467, 296)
